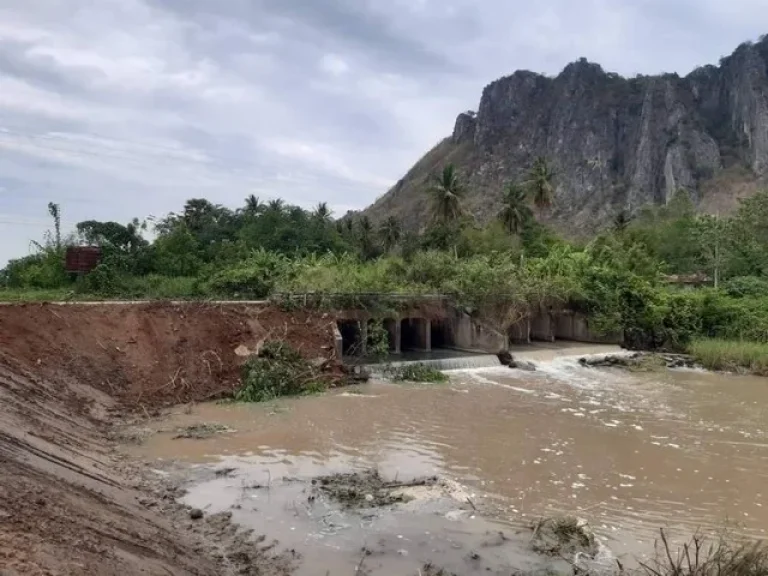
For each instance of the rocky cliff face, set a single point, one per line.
(615, 143)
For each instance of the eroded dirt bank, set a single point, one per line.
(68, 503)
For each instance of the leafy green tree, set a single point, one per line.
(177, 253)
(111, 234)
(540, 182)
(389, 233)
(514, 211)
(447, 193)
(710, 235)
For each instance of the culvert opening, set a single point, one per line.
(414, 334)
(351, 337)
(441, 334)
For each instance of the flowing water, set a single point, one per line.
(629, 452)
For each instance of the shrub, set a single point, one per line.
(255, 277)
(278, 370)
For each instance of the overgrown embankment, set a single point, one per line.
(732, 356)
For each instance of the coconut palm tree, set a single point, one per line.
(322, 212)
(514, 211)
(622, 220)
(253, 207)
(540, 183)
(390, 232)
(447, 193)
(365, 228)
(275, 205)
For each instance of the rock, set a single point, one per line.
(196, 514)
(615, 143)
(243, 351)
(506, 358)
(524, 365)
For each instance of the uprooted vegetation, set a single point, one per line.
(367, 489)
(420, 373)
(564, 537)
(279, 370)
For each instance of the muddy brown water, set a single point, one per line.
(629, 452)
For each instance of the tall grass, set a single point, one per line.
(732, 355)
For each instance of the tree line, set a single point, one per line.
(507, 268)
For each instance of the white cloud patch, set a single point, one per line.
(334, 65)
(123, 108)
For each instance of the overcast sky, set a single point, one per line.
(123, 108)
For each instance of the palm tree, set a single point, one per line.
(514, 212)
(621, 221)
(389, 231)
(322, 212)
(447, 192)
(366, 229)
(539, 182)
(275, 205)
(253, 206)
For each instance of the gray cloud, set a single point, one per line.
(122, 108)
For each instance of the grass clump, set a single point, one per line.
(732, 355)
(279, 370)
(416, 373)
(700, 557)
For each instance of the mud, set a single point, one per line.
(367, 489)
(70, 503)
(201, 431)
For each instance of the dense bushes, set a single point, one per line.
(617, 279)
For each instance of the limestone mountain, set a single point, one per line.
(615, 143)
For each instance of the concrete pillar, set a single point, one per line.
(339, 342)
(398, 337)
(363, 337)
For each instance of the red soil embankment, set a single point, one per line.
(152, 355)
(68, 503)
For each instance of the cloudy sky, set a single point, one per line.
(122, 108)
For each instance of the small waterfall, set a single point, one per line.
(465, 362)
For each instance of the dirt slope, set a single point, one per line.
(68, 503)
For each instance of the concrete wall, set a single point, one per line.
(543, 328)
(520, 333)
(470, 335)
(575, 327)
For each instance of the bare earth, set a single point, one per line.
(68, 503)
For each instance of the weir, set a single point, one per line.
(457, 362)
